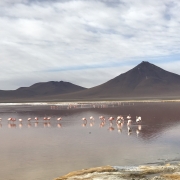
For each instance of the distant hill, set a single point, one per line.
(143, 81)
(42, 89)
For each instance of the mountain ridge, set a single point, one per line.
(144, 80)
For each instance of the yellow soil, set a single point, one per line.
(86, 171)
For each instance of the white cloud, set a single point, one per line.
(39, 36)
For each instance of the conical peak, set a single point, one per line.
(145, 63)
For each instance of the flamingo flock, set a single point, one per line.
(120, 120)
(11, 121)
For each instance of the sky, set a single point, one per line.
(85, 42)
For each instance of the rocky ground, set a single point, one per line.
(153, 172)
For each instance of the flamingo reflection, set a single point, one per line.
(29, 125)
(119, 126)
(59, 125)
(20, 125)
(11, 125)
(111, 128)
(36, 124)
(139, 127)
(138, 130)
(102, 124)
(129, 122)
(84, 122)
(129, 130)
(47, 124)
(91, 121)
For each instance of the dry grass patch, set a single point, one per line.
(87, 171)
(171, 176)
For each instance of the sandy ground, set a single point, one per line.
(154, 172)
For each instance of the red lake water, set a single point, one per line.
(45, 149)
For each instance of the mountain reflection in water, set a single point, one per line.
(47, 148)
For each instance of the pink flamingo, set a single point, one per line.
(20, 120)
(83, 119)
(29, 119)
(13, 120)
(120, 120)
(59, 119)
(111, 119)
(102, 118)
(138, 119)
(91, 118)
(128, 117)
(10, 119)
(36, 118)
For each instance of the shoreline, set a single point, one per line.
(86, 102)
(142, 172)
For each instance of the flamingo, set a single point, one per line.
(83, 119)
(49, 118)
(0, 119)
(10, 119)
(128, 117)
(91, 118)
(120, 120)
(111, 119)
(138, 119)
(20, 120)
(102, 118)
(29, 119)
(45, 118)
(36, 118)
(58, 119)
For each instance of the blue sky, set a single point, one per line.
(85, 42)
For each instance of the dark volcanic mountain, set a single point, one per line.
(41, 89)
(144, 80)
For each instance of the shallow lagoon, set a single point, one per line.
(44, 150)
